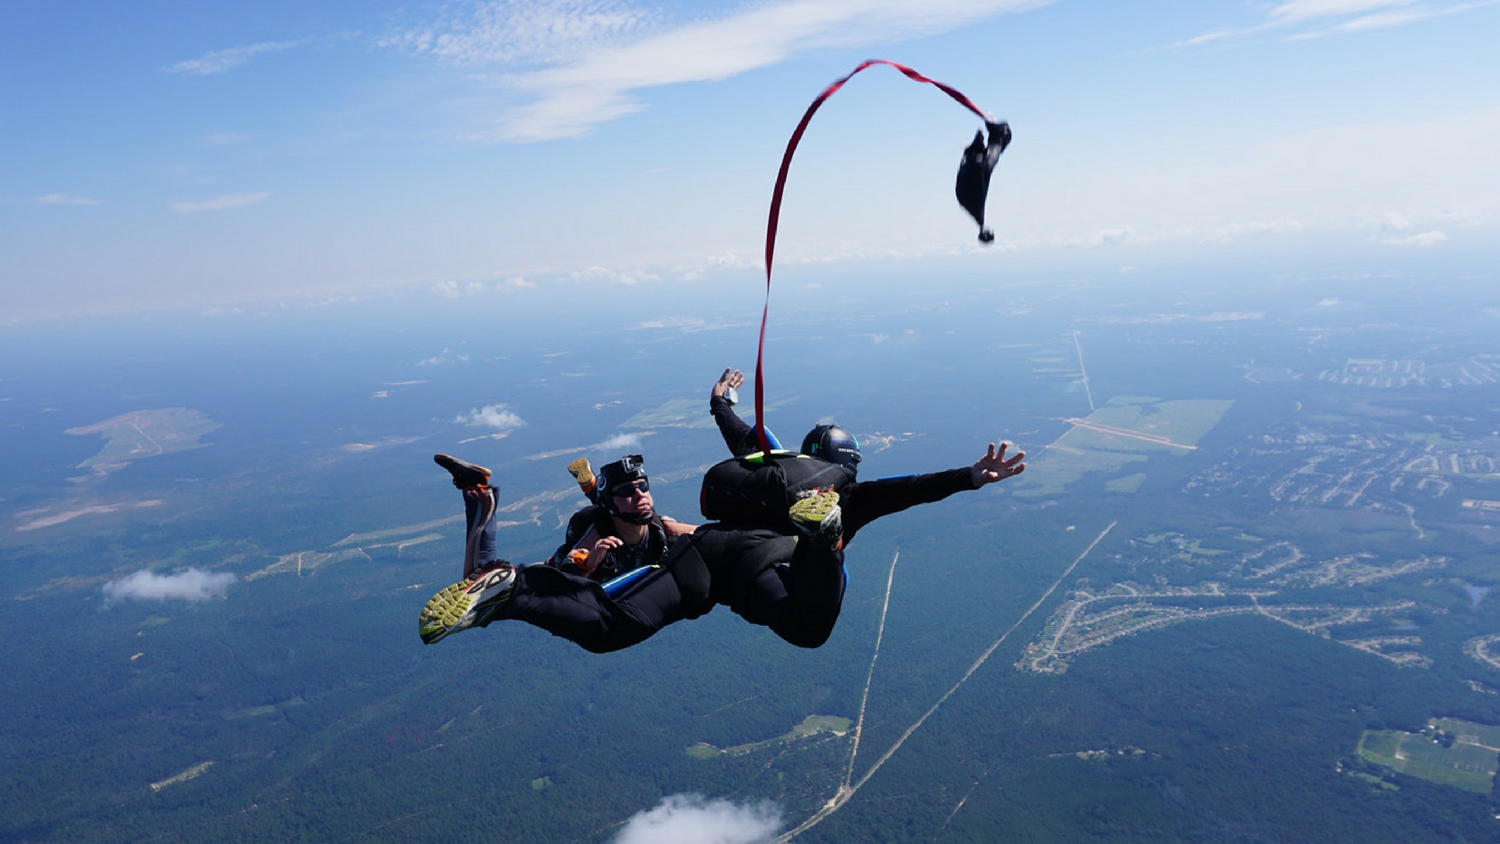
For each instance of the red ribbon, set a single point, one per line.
(786, 163)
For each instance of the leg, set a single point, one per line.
(479, 511)
(479, 518)
(800, 601)
(794, 587)
(581, 611)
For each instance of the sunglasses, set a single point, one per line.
(630, 489)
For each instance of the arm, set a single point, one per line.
(863, 503)
(738, 435)
(675, 528)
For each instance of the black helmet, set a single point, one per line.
(623, 471)
(834, 444)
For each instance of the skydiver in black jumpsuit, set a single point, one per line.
(765, 575)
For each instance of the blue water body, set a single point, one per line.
(1476, 594)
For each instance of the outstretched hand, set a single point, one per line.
(993, 466)
(730, 380)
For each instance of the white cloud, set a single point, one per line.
(1420, 239)
(1317, 18)
(1106, 237)
(693, 819)
(620, 442)
(599, 52)
(219, 61)
(221, 203)
(452, 289)
(492, 416)
(514, 284)
(66, 199)
(445, 356)
(522, 31)
(613, 275)
(185, 585)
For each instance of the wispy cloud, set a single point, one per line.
(221, 203)
(614, 275)
(693, 819)
(1303, 19)
(594, 54)
(67, 199)
(492, 416)
(519, 32)
(1420, 239)
(185, 585)
(220, 61)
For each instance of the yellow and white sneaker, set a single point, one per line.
(469, 603)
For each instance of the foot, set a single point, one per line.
(816, 515)
(465, 475)
(469, 603)
(584, 474)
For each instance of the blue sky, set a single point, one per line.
(168, 154)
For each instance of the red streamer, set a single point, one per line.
(786, 163)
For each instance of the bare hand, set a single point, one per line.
(994, 467)
(602, 549)
(730, 380)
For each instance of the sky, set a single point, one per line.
(184, 155)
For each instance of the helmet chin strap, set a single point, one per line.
(636, 518)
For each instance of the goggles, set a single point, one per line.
(629, 490)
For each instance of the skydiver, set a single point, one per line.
(620, 532)
(791, 581)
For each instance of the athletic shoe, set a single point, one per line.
(583, 473)
(468, 603)
(816, 515)
(465, 475)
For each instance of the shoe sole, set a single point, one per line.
(459, 607)
(819, 517)
(443, 611)
(463, 471)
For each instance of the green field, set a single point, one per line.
(1082, 450)
(1464, 762)
(810, 726)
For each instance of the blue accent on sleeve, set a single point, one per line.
(771, 438)
(896, 477)
(614, 587)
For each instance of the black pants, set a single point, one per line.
(765, 577)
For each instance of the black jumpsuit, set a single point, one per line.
(799, 599)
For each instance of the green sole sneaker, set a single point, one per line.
(817, 516)
(468, 603)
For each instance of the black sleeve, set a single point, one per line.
(865, 502)
(739, 436)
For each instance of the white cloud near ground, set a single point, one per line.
(620, 442)
(694, 819)
(491, 416)
(221, 203)
(219, 61)
(185, 585)
(594, 54)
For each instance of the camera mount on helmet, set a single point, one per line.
(628, 469)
